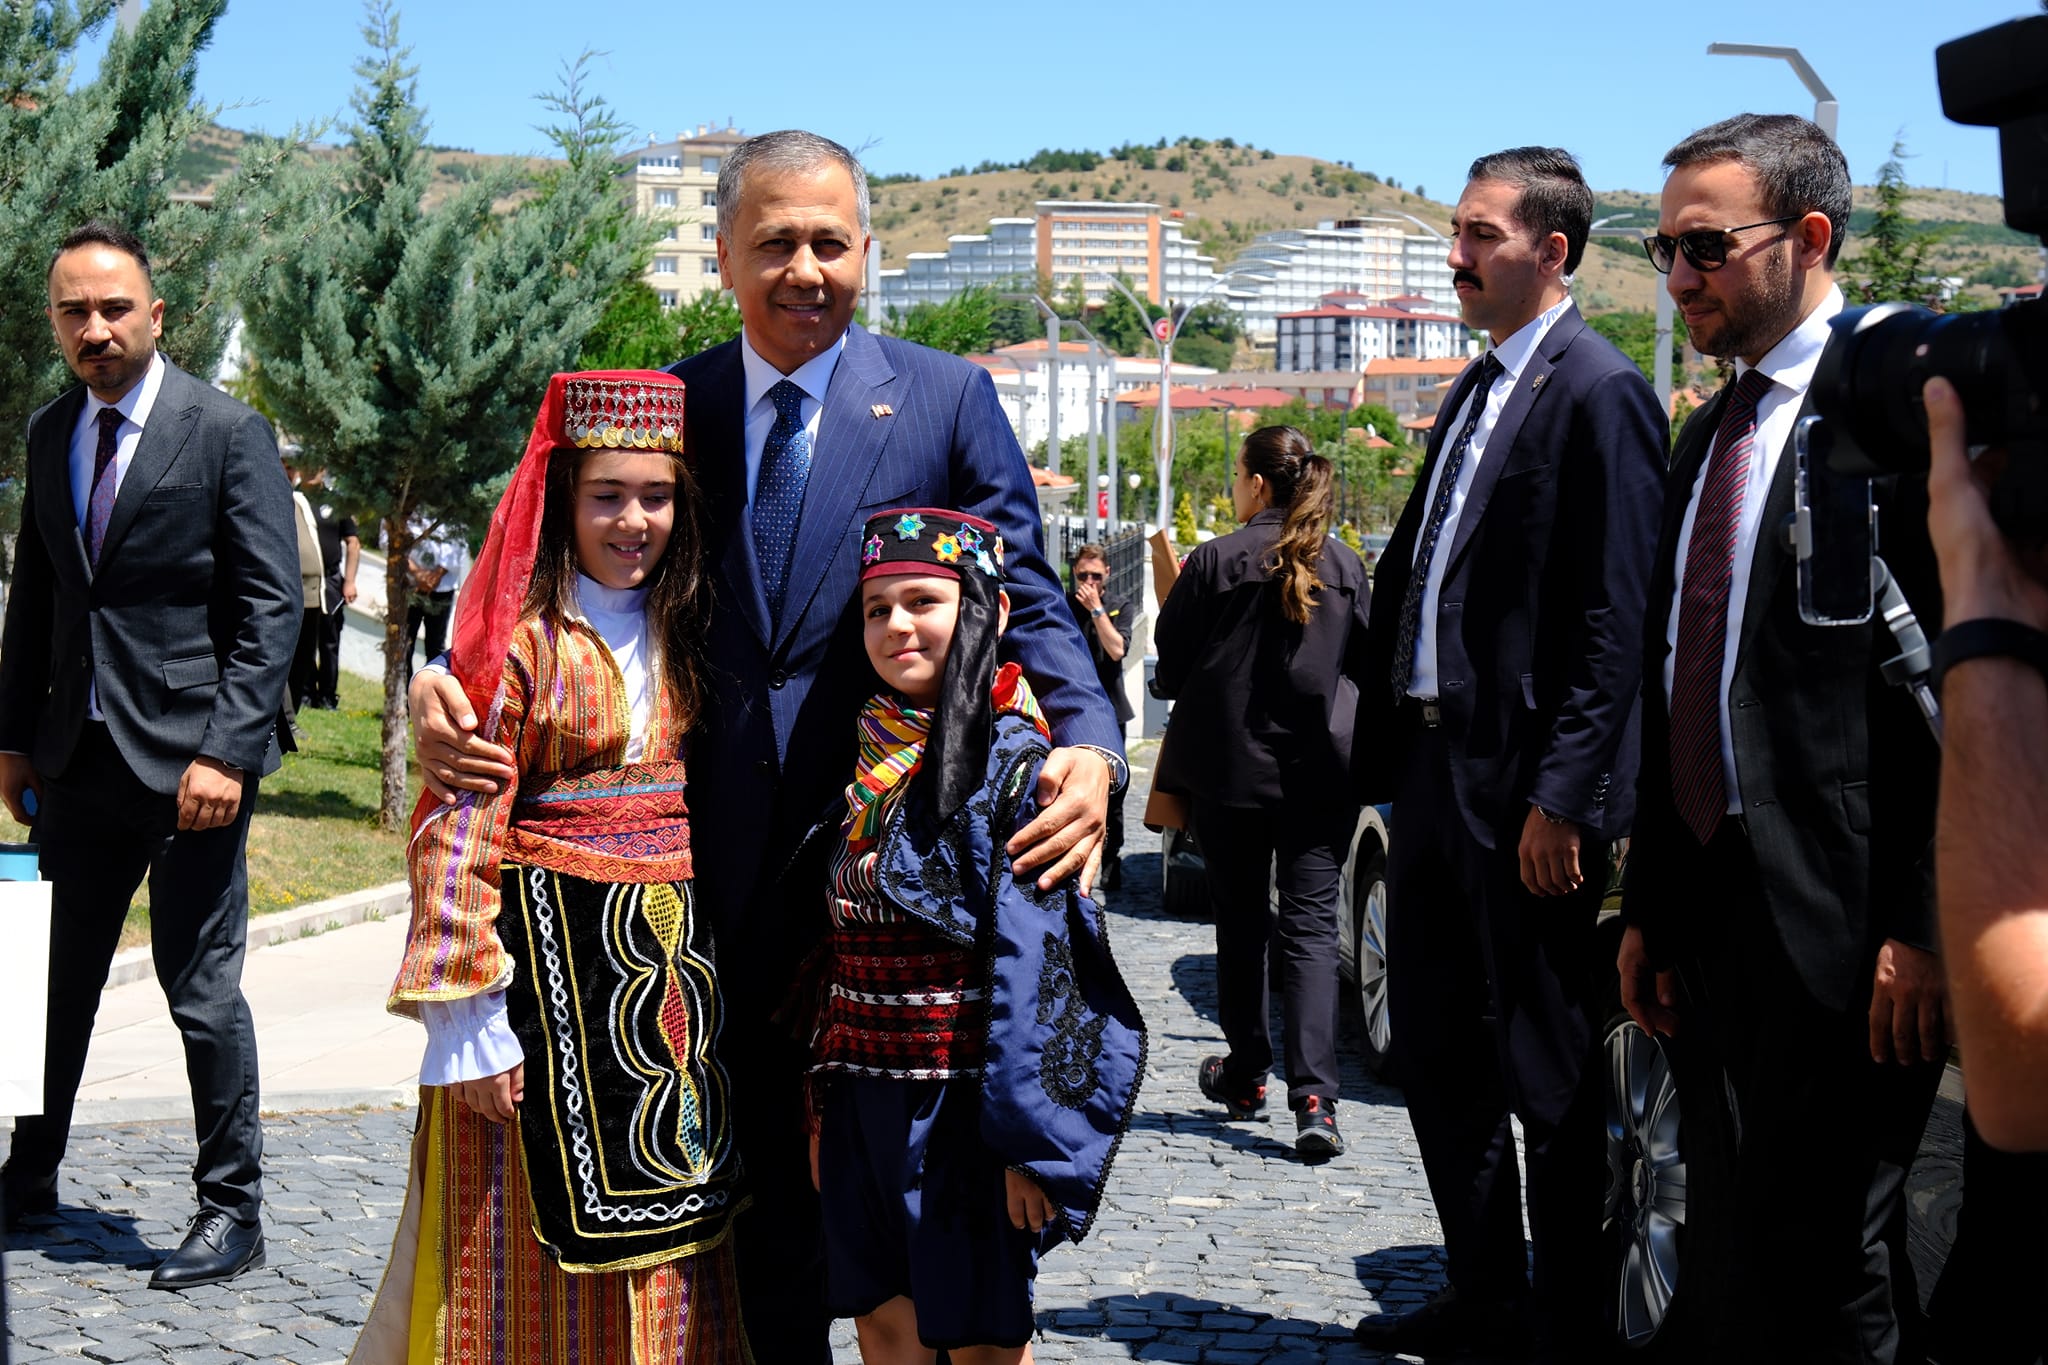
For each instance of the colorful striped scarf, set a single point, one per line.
(892, 740)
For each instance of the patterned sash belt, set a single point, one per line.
(626, 824)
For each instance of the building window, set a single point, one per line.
(709, 165)
(668, 298)
(711, 199)
(664, 265)
(711, 265)
(664, 199)
(710, 232)
(670, 235)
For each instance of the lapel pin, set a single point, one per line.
(881, 410)
(1537, 382)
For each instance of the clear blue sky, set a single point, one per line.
(1410, 90)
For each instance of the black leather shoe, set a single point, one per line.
(28, 1199)
(1448, 1322)
(216, 1249)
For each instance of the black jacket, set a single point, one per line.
(1539, 643)
(1263, 707)
(1109, 672)
(1837, 768)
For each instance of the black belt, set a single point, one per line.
(1426, 712)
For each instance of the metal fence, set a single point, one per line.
(1125, 547)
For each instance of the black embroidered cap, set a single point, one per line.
(908, 540)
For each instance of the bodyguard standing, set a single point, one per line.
(143, 662)
(1506, 654)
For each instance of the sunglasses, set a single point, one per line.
(1704, 249)
(1091, 577)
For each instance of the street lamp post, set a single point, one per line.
(1162, 423)
(1660, 341)
(1827, 109)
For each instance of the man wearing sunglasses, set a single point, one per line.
(1785, 807)
(1497, 713)
(1105, 619)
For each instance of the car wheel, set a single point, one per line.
(1369, 967)
(1183, 887)
(1669, 1168)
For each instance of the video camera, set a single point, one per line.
(1871, 421)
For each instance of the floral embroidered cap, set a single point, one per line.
(907, 540)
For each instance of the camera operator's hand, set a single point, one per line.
(1982, 573)
(1908, 1006)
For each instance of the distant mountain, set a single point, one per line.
(1227, 193)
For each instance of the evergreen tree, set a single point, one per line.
(1894, 259)
(961, 325)
(710, 319)
(634, 333)
(108, 148)
(408, 347)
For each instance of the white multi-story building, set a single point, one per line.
(1291, 269)
(676, 184)
(1004, 257)
(1346, 329)
(1020, 376)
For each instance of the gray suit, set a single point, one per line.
(186, 625)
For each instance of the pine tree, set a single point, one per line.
(108, 148)
(1894, 262)
(408, 347)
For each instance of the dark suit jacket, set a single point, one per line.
(1263, 708)
(777, 746)
(1837, 768)
(1538, 632)
(189, 621)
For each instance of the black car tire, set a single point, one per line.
(1670, 1184)
(1369, 965)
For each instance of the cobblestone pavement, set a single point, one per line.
(1215, 1245)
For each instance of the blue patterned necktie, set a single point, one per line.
(1439, 509)
(779, 491)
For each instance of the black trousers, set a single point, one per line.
(1987, 1308)
(100, 831)
(1826, 1139)
(327, 661)
(1242, 850)
(433, 615)
(1495, 1009)
(304, 655)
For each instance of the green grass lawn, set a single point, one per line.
(315, 834)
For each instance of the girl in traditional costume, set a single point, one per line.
(976, 1055)
(573, 1175)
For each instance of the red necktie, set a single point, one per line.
(1698, 787)
(100, 506)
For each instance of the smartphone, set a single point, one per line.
(1834, 534)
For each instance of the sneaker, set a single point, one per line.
(1315, 1130)
(1242, 1104)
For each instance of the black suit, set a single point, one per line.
(1776, 923)
(1495, 994)
(186, 626)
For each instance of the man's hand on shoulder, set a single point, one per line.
(1908, 1006)
(1073, 809)
(17, 776)
(209, 794)
(452, 757)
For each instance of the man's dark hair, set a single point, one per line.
(1799, 167)
(1554, 196)
(1090, 551)
(97, 232)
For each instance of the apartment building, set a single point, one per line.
(676, 184)
(1410, 388)
(1346, 329)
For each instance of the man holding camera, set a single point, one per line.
(1779, 908)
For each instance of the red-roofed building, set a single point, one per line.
(1346, 329)
(1410, 388)
(2025, 293)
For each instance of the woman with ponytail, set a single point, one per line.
(1258, 643)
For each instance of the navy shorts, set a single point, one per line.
(914, 1206)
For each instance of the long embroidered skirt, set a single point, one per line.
(469, 1284)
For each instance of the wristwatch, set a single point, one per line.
(1096, 612)
(1553, 819)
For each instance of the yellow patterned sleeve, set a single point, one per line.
(452, 948)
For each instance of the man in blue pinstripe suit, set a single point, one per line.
(798, 430)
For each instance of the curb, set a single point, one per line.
(162, 1108)
(357, 907)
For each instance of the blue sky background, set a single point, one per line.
(1409, 90)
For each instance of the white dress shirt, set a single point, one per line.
(1790, 366)
(135, 407)
(1513, 357)
(812, 377)
(471, 1038)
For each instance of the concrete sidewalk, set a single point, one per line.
(323, 1039)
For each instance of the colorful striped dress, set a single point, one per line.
(470, 1282)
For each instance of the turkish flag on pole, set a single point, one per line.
(1102, 503)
